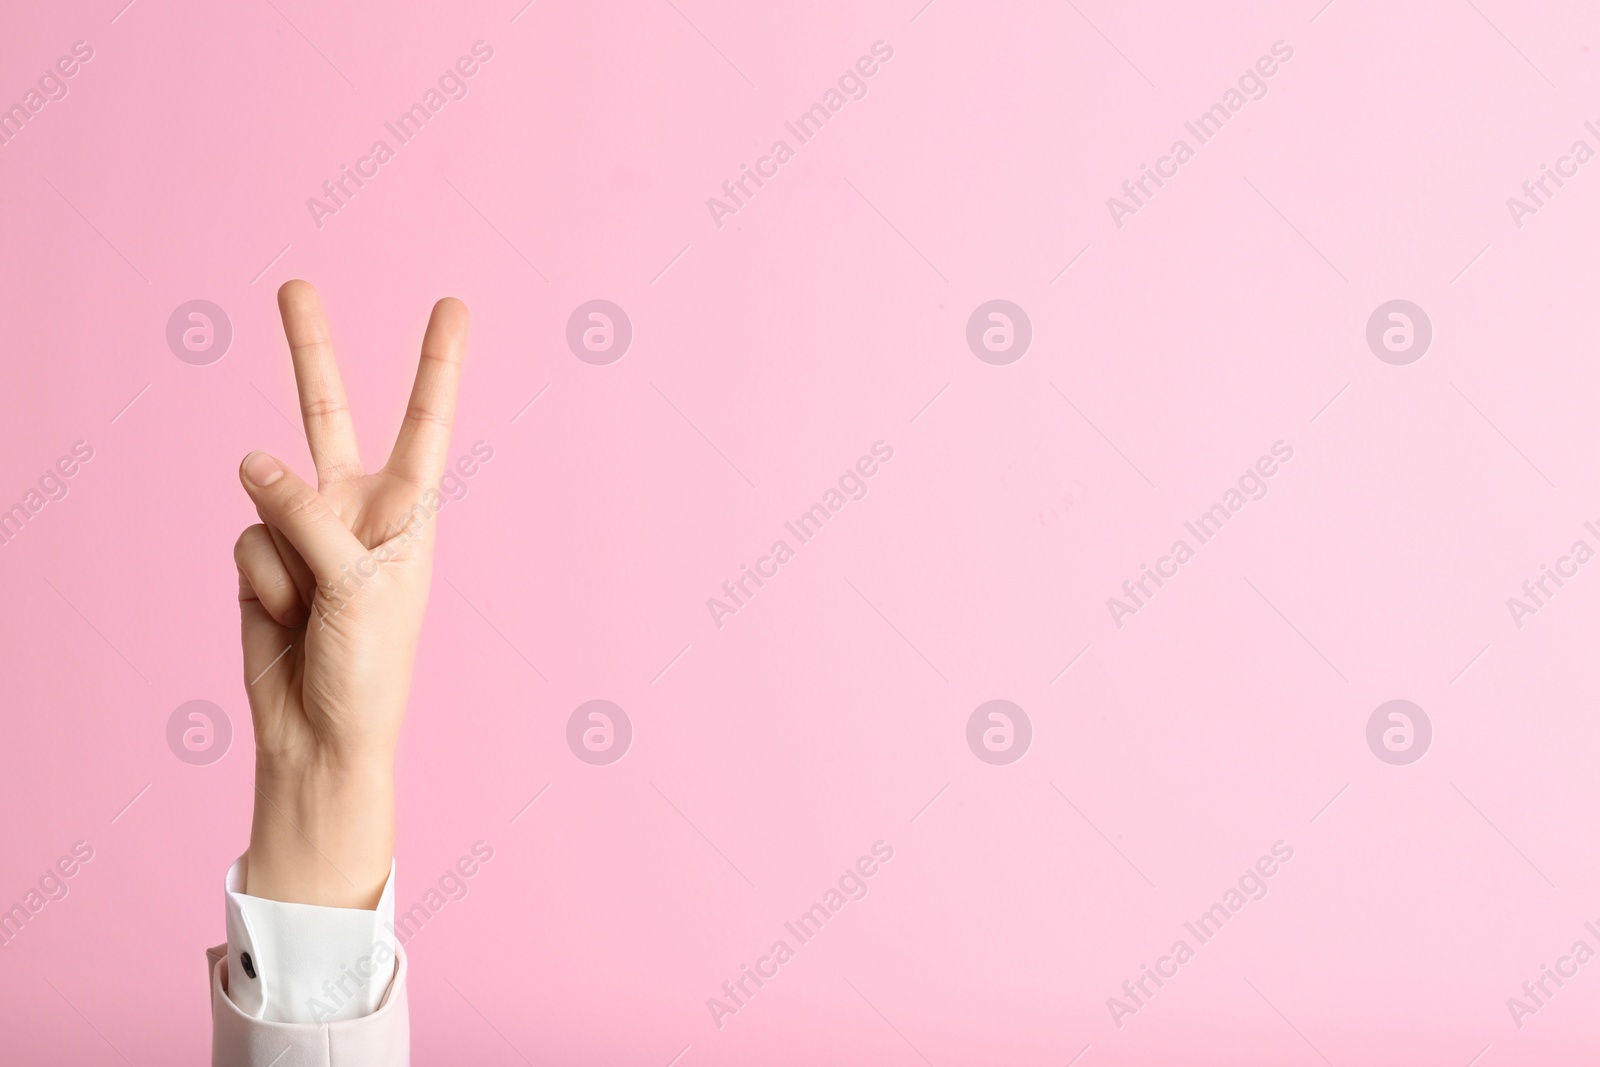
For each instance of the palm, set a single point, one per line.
(372, 506)
(327, 659)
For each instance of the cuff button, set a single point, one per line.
(249, 964)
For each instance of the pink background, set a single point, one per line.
(1227, 314)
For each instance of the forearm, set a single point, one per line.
(322, 835)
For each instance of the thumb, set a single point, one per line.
(300, 514)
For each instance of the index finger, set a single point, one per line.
(329, 429)
(423, 446)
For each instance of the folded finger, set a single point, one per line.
(299, 573)
(300, 513)
(262, 575)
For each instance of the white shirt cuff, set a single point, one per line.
(300, 963)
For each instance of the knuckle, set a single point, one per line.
(248, 538)
(426, 413)
(324, 408)
(300, 505)
(445, 357)
(340, 471)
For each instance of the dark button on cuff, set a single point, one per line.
(249, 965)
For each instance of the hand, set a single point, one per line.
(332, 587)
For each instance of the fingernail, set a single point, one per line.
(261, 469)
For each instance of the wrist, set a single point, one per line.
(321, 834)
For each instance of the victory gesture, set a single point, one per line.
(332, 586)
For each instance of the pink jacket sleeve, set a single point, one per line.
(382, 1039)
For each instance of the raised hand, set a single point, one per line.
(332, 587)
